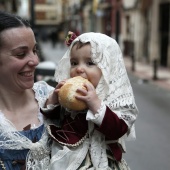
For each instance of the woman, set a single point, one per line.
(23, 139)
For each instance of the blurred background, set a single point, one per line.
(142, 29)
(133, 23)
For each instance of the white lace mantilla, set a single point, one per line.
(114, 88)
(38, 156)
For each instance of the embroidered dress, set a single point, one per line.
(95, 142)
(73, 142)
(31, 146)
(15, 159)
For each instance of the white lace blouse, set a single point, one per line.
(10, 138)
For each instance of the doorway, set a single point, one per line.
(164, 24)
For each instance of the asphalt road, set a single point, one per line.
(151, 149)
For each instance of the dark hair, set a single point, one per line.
(8, 21)
(80, 44)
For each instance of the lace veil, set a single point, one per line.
(114, 87)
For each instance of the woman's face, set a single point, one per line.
(18, 58)
(82, 65)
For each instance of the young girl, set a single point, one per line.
(94, 138)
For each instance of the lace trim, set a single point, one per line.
(67, 144)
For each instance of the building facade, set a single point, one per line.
(141, 27)
(146, 30)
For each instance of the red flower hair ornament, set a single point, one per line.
(70, 38)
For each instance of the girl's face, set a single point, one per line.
(82, 65)
(18, 58)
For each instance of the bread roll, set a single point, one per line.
(68, 91)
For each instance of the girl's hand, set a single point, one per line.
(90, 97)
(53, 98)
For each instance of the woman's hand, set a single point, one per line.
(90, 97)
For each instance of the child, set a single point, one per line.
(94, 138)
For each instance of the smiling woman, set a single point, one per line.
(22, 126)
(19, 57)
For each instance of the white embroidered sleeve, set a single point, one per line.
(98, 117)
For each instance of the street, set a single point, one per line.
(151, 149)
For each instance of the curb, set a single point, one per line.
(145, 72)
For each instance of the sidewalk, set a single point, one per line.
(145, 72)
